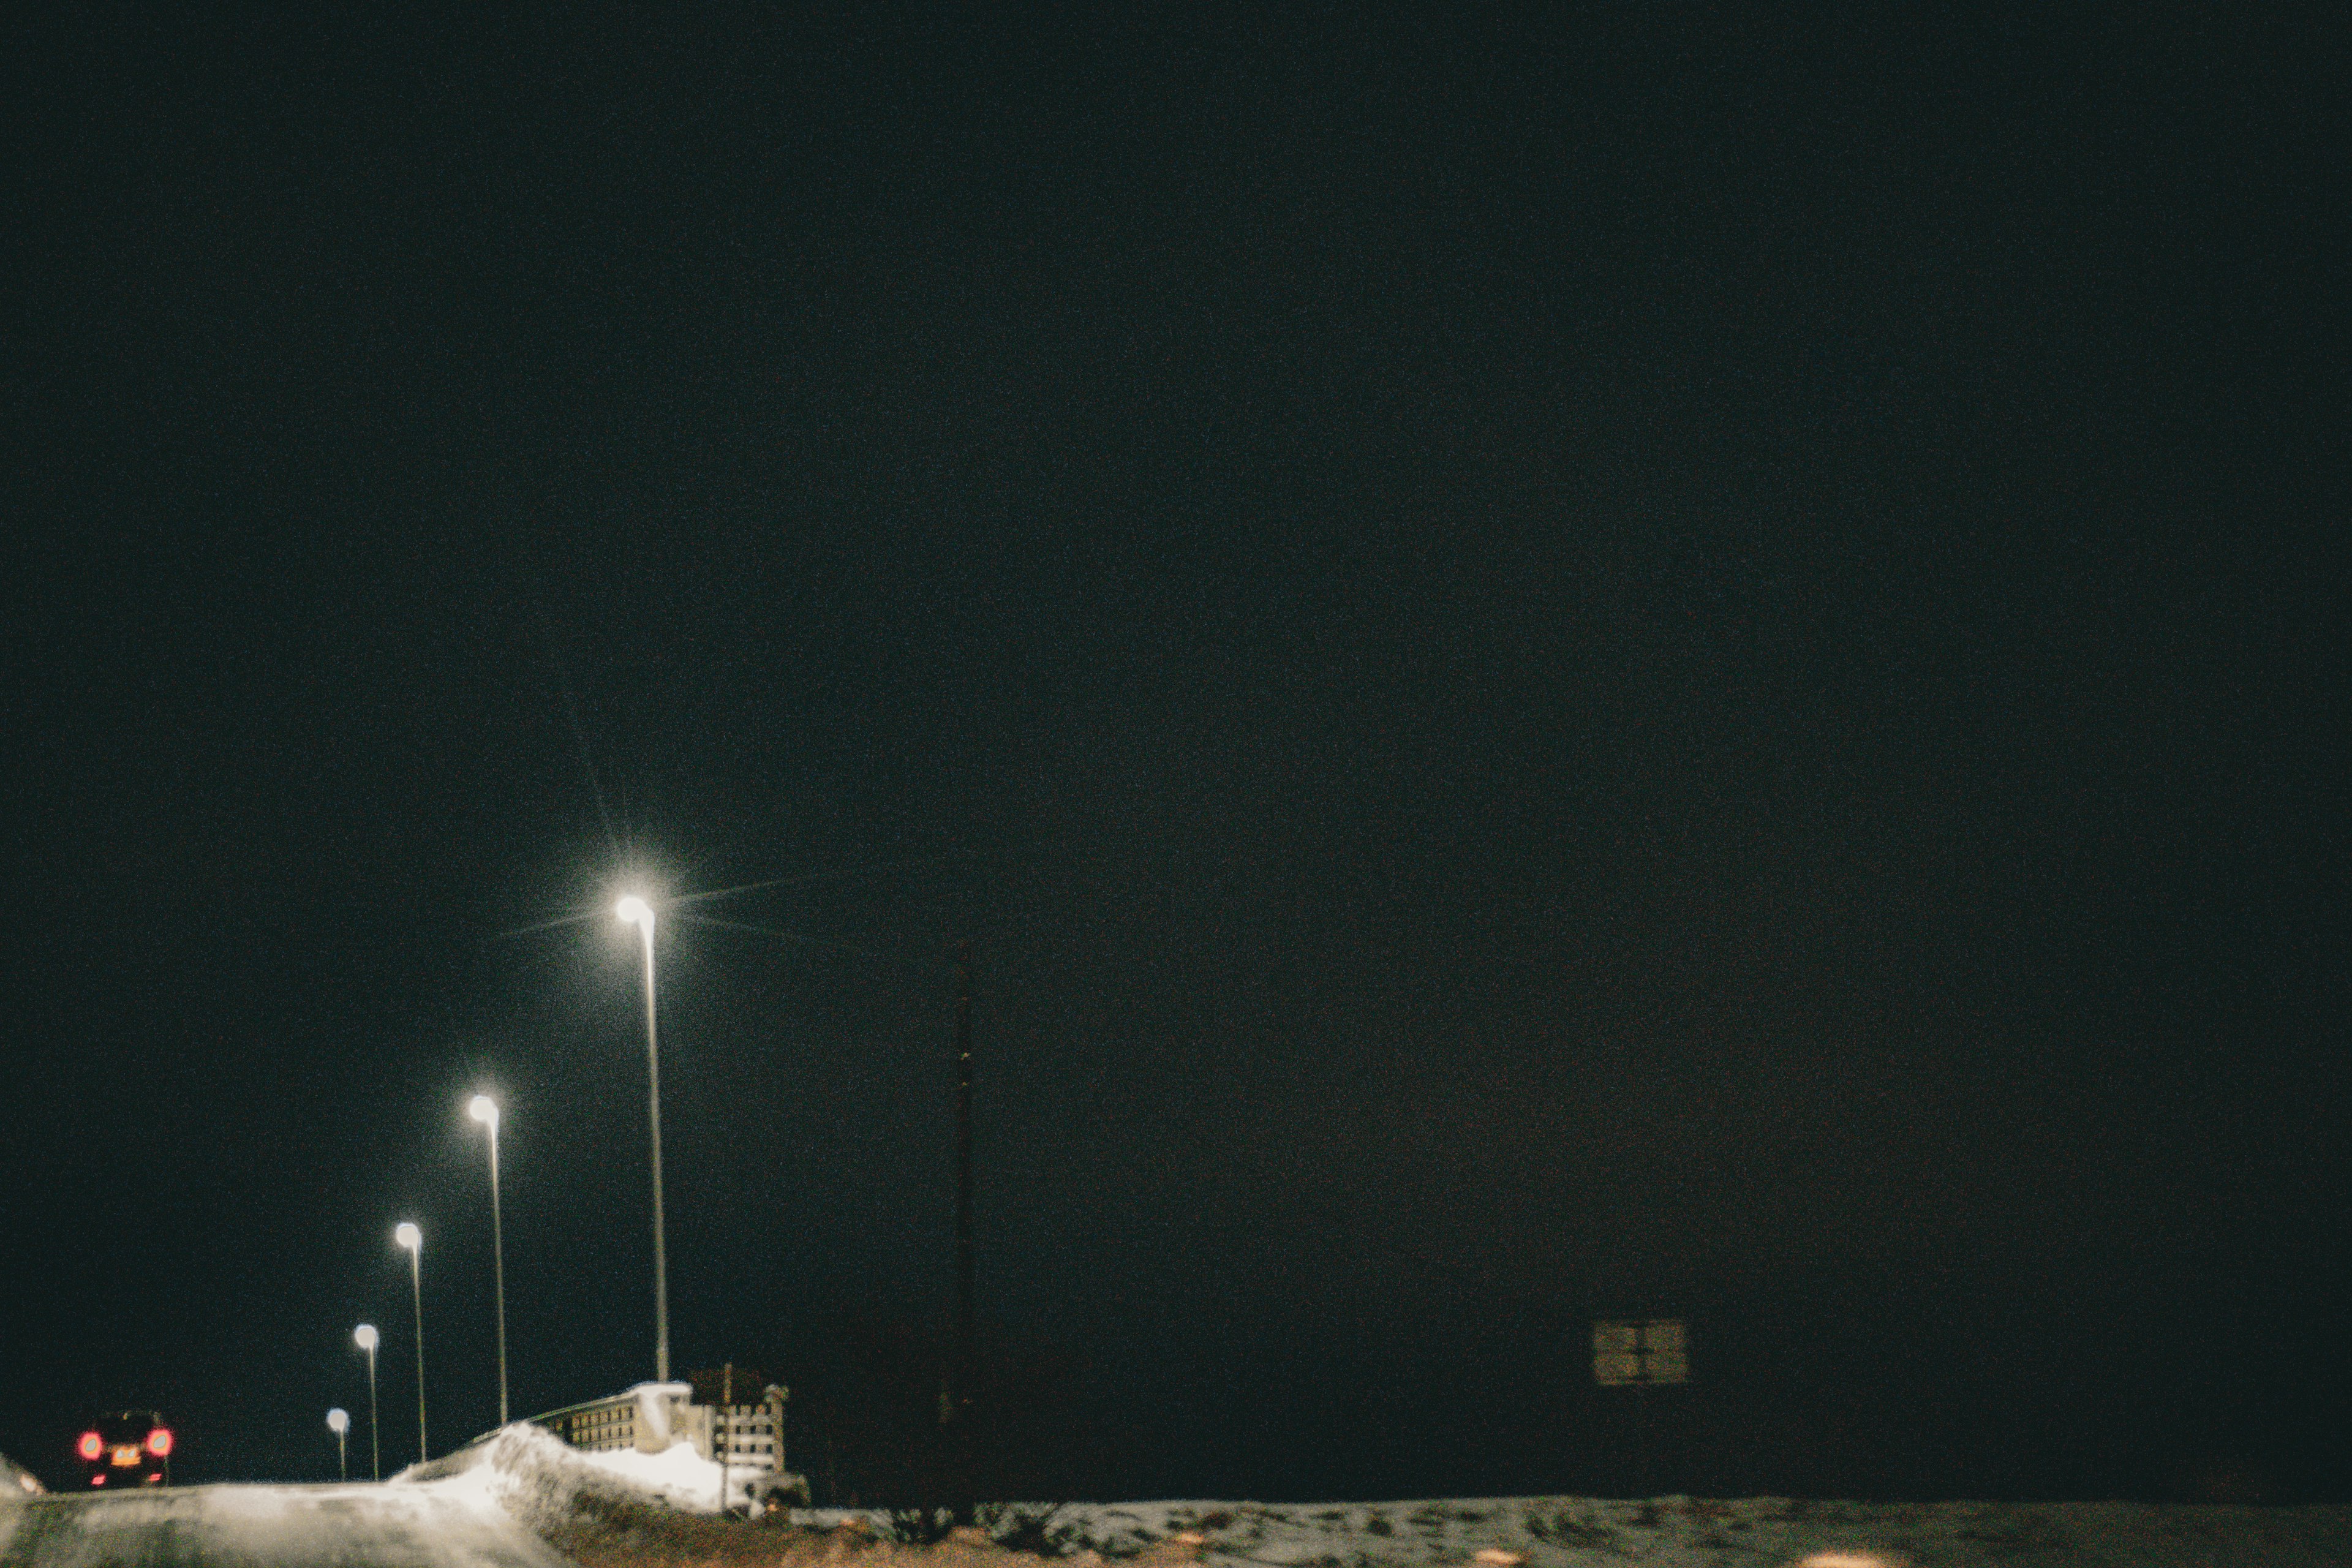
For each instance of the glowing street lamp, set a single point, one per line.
(409, 1236)
(339, 1421)
(634, 911)
(485, 1110)
(364, 1336)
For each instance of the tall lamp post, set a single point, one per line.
(339, 1421)
(409, 1236)
(364, 1336)
(485, 1110)
(634, 911)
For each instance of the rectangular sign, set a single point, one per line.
(1634, 1353)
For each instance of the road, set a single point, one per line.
(267, 1527)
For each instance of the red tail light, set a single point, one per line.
(91, 1446)
(99, 1480)
(159, 1441)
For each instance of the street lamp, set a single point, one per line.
(634, 911)
(339, 1421)
(364, 1336)
(409, 1236)
(485, 1110)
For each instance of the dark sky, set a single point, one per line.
(1562, 662)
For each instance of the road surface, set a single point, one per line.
(267, 1527)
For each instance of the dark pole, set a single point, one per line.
(963, 1177)
(957, 1408)
(416, 1288)
(375, 1444)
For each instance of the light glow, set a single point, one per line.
(634, 911)
(339, 1421)
(484, 1110)
(159, 1441)
(1850, 1560)
(364, 1336)
(93, 1445)
(409, 1236)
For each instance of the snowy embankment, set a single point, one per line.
(537, 1477)
(15, 1482)
(1684, 1533)
(565, 1495)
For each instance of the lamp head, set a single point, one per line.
(634, 911)
(484, 1110)
(339, 1421)
(409, 1236)
(364, 1336)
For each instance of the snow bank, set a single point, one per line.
(557, 1491)
(17, 1483)
(678, 1476)
(540, 1478)
(1686, 1532)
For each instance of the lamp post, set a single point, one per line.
(364, 1336)
(634, 911)
(339, 1421)
(485, 1110)
(409, 1236)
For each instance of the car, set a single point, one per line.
(126, 1448)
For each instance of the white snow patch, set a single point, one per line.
(540, 1479)
(537, 1476)
(17, 1483)
(1686, 1532)
(679, 1475)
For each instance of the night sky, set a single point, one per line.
(1563, 662)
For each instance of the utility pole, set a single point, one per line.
(955, 1405)
(722, 1434)
(963, 1328)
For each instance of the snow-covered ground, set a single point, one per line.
(542, 1483)
(266, 1527)
(682, 1478)
(521, 1462)
(17, 1482)
(1751, 1532)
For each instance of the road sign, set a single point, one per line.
(1629, 1354)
